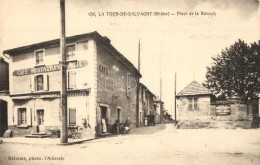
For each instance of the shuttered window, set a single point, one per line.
(39, 82)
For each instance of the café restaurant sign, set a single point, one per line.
(49, 68)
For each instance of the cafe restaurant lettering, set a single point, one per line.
(49, 68)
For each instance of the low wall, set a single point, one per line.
(234, 116)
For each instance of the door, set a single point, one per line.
(3, 117)
(40, 120)
(104, 118)
(119, 115)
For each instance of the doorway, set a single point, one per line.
(3, 117)
(40, 120)
(104, 118)
(118, 113)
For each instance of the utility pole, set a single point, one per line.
(138, 88)
(161, 105)
(64, 132)
(175, 105)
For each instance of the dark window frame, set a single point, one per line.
(37, 81)
(22, 116)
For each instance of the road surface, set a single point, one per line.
(161, 144)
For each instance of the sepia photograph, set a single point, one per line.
(131, 82)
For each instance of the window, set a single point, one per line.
(39, 57)
(190, 104)
(193, 104)
(22, 116)
(71, 80)
(196, 104)
(39, 82)
(70, 52)
(72, 116)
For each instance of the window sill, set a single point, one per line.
(71, 60)
(23, 126)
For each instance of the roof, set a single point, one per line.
(104, 41)
(194, 88)
(144, 87)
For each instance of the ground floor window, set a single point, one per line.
(193, 103)
(22, 116)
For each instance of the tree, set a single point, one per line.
(235, 72)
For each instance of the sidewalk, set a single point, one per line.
(42, 141)
(149, 130)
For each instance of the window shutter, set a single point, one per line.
(32, 83)
(72, 80)
(46, 82)
(18, 114)
(72, 116)
(98, 114)
(28, 116)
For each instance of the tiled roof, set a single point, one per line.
(194, 88)
(145, 88)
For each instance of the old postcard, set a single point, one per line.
(129, 82)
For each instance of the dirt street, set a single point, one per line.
(161, 144)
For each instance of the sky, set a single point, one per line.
(181, 44)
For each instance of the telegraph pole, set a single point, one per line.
(175, 105)
(64, 132)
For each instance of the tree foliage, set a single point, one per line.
(235, 72)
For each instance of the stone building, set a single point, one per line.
(100, 85)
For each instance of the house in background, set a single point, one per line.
(147, 105)
(193, 103)
(196, 109)
(99, 87)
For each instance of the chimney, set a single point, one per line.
(107, 40)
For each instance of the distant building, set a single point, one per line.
(193, 102)
(195, 109)
(147, 104)
(101, 86)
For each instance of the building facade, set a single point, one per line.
(147, 105)
(193, 103)
(98, 86)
